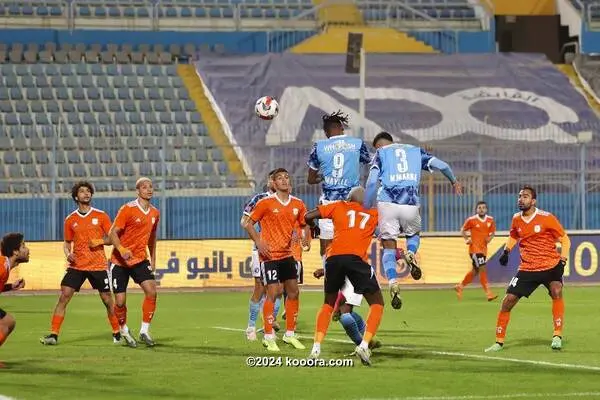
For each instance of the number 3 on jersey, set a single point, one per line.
(352, 219)
(402, 161)
(338, 165)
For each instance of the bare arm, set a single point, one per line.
(67, 248)
(113, 235)
(152, 248)
(465, 234)
(311, 216)
(314, 177)
(510, 243)
(260, 245)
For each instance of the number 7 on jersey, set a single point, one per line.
(352, 219)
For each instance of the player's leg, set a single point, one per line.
(410, 224)
(334, 281)
(468, 277)
(270, 271)
(288, 275)
(99, 281)
(523, 284)
(71, 283)
(389, 230)
(7, 325)
(352, 323)
(119, 280)
(483, 279)
(256, 300)
(142, 275)
(279, 300)
(362, 277)
(555, 289)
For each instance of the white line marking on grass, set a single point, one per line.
(499, 396)
(454, 354)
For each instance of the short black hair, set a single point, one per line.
(480, 203)
(11, 243)
(531, 190)
(382, 135)
(271, 173)
(277, 171)
(78, 186)
(336, 119)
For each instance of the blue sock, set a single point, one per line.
(412, 243)
(255, 309)
(277, 307)
(389, 263)
(351, 327)
(359, 322)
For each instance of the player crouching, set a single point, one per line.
(354, 226)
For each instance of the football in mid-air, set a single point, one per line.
(266, 108)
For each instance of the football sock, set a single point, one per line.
(3, 337)
(277, 307)
(413, 243)
(114, 322)
(468, 278)
(389, 264)
(359, 322)
(558, 314)
(484, 280)
(351, 328)
(291, 314)
(373, 321)
(254, 311)
(268, 316)
(57, 321)
(323, 320)
(503, 318)
(121, 314)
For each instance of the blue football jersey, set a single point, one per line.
(250, 204)
(400, 168)
(338, 160)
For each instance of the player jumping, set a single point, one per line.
(478, 230)
(134, 230)
(14, 252)
(278, 215)
(536, 232)
(335, 163)
(398, 168)
(347, 258)
(86, 233)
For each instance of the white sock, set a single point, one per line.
(364, 345)
(316, 348)
(124, 329)
(392, 281)
(270, 336)
(145, 327)
(289, 333)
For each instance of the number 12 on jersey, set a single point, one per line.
(352, 219)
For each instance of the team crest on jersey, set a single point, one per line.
(537, 229)
(94, 221)
(295, 211)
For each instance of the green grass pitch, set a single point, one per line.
(433, 349)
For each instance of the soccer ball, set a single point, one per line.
(266, 108)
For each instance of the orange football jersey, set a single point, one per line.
(278, 222)
(4, 271)
(80, 230)
(353, 227)
(537, 236)
(137, 226)
(481, 230)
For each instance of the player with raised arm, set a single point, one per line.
(257, 297)
(14, 252)
(85, 235)
(398, 168)
(278, 215)
(536, 232)
(347, 258)
(132, 232)
(478, 230)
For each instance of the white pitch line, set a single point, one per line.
(490, 397)
(455, 354)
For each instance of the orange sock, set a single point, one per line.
(3, 337)
(114, 322)
(268, 308)
(373, 320)
(501, 324)
(121, 314)
(483, 279)
(558, 315)
(57, 321)
(291, 314)
(148, 307)
(468, 278)
(323, 320)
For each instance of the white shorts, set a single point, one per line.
(256, 265)
(326, 225)
(396, 219)
(352, 298)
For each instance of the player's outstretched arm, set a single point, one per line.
(19, 284)
(314, 177)
(444, 168)
(311, 217)
(371, 189)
